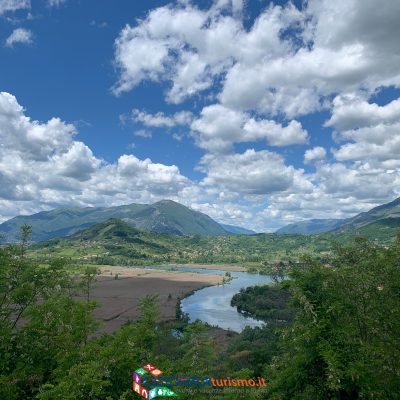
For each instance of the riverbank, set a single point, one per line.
(119, 289)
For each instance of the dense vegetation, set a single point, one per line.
(343, 343)
(265, 302)
(345, 340)
(114, 242)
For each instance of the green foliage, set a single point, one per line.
(199, 352)
(41, 326)
(345, 342)
(265, 302)
(340, 339)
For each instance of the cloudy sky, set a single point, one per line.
(257, 113)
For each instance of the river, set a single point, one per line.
(213, 304)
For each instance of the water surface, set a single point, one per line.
(213, 304)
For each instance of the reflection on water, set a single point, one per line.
(213, 304)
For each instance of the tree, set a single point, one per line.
(345, 342)
(199, 352)
(87, 279)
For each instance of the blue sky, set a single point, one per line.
(257, 113)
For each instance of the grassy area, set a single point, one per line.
(116, 243)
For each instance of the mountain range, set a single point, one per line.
(386, 216)
(310, 226)
(237, 230)
(165, 216)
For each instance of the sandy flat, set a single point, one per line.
(155, 273)
(223, 267)
(119, 298)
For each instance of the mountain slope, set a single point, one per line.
(384, 212)
(164, 216)
(311, 226)
(379, 222)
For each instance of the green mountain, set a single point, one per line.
(237, 230)
(165, 216)
(310, 227)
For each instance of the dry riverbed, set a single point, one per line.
(118, 298)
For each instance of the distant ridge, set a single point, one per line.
(165, 216)
(237, 230)
(380, 218)
(382, 213)
(310, 226)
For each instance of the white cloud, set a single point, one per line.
(143, 133)
(158, 48)
(274, 133)
(19, 35)
(218, 128)
(55, 3)
(339, 191)
(13, 5)
(371, 132)
(317, 153)
(252, 172)
(160, 120)
(377, 144)
(351, 111)
(288, 63)
(264, 69)
(42, 165)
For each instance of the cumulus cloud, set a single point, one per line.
(315, 154)
(351, 111)
(191, 47)
(337, 191)
(377, 144)
(261, 68)
(218, 128)
(370, 132)
(19, 35)
(251, 172)
(43, 165)
(13, 5)
(160, 120)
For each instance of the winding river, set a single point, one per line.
(213, 304)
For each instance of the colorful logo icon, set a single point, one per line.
(158, 391)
